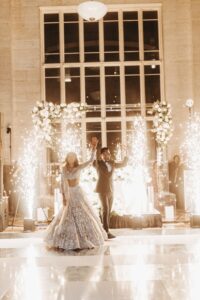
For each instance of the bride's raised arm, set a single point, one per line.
(90, 161)
(94, 143)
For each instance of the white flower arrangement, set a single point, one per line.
(162, 122)
(45, 113)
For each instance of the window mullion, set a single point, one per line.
(81, 39)
(42, 58)
(43, 84)
(42, 38)
(62, 38)
(62, 84)
(141, 56)
(123, 104)
(82, 83)
(141, 38)
(162, 83)
(104, 136)
(62, 57)
(160, 35)
(122, 91)
(83, 121)
(103, 105)
(101, 40)
(121, 36)
(102, 91)
(142, 90)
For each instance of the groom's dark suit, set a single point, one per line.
(105, 186)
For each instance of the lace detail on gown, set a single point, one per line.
(77, 225)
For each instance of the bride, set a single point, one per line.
(76, 226)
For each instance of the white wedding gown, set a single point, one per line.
(77, 225)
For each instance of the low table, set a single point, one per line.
(3, 213)
(146, 220)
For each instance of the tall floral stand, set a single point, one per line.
(162, 127)
(162, 168)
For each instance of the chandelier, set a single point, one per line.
(92, 10)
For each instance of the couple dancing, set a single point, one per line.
(77, 226)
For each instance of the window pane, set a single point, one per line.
(113, 126)
(132, 89)
(51, 43)
(50, 18)
(131, 37)
(150, 15)
(152, 83)
(93, 127)
(93, 71)
(112, 85)
(92, 89)
(52, 85)
(72, 85)
(111, 16)
(130, 15)
(55, 72)
(70, 17)
(113, 136)
(151, 44)
(91, 41)
(71, 32)
(111, 41)
(129, 127)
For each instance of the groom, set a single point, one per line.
(105, 168)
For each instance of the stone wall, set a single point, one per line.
(178, 63)
(5, 71)
(20, 83)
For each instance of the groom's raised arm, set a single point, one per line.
(122, 164)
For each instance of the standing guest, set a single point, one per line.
(105, 168)
(76, 226)
(176, 180)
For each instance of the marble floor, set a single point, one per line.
(147, 264)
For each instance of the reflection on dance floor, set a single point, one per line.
(149, 264)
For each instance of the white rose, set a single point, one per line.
(75, 104)
(38, 103)
(35, 109)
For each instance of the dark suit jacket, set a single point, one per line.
(176, 173)
(105, 178)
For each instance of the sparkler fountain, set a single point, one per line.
(26, 175)
(131, 182)
(191, 153)
(70, 140)
(132, 205)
